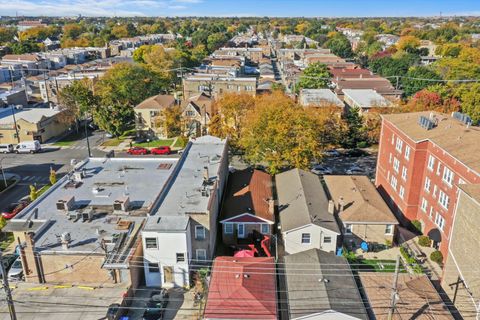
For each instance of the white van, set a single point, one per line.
(28, 147)
(6, 148)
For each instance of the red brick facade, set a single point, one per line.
(432, 203)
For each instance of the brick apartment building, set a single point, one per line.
(422, 159)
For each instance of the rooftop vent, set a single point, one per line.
(87, 215)
(121, 205)
(66, 204)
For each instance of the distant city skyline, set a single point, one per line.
(240, 8)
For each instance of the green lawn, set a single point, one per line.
(180, 143)
(70, 139)
(112, 142)
(43, 189)
(7, 239)
(155, 143)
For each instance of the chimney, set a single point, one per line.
(331, 207)
(340, 204)
(206, 175)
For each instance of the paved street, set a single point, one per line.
(35, 168)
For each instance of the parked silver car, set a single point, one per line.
(16, 271)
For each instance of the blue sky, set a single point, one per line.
(322, 8)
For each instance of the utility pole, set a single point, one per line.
(3, 174)
(394, 289)
(15, 124)
(8, 293)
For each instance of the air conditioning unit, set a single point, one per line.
(87, 215)
(78, 176)
(66, 204)
(121, 205)
(73, 215)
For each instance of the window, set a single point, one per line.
(393, 138)
(390, 158)
(404, 173)
(431, 162)
(199, 232)
(439, 166)
(265, 228)
(228, 228)
(399, 145)
(190, 113)
(431, 213)
(393, 182)
(424, 205)
(401, 192)
(427, 184)
(327, 239)
(180, 257)
(407, 152)
(389, 229)
(153, 268)
(151, 243)
(447, 176)
(461, 181)
(348, 229)
(443, 199)
(305, 238)
(249, 88)
(396, 164)
(434, 191)
(439, 221)
(201, 254)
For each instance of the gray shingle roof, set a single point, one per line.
(327, 285)
(302, 201)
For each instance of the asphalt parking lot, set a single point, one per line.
(340, 164)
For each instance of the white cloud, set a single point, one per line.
(188, 1)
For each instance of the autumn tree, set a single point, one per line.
(426, 100)
(76, 100)
(232, 110)
(408, 44)
(171, 121)
(280, 133)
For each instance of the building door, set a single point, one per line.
(241, 230)
(167, 274)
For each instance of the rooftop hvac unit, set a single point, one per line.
(121, 204)
(73, 215)
(78, 175)
(87, 215)
(66, 204)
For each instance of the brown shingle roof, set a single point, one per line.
(248, 191)
(450, 134)
(361, 200)
(21, 57)
(417, 298)
(160, 101)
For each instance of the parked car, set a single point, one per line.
(28, 147)
(16, 271)
(7, 261)
(321, 170)
(112, 311)
(355, 170)
(161, 150)
(13, 209)
(137, 150)
(332, 153)
(6, 147)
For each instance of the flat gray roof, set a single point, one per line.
(105, 180)
(319, 97)
(188, 193)
(366, 98)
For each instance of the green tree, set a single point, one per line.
(77, 99)
(315, 76)
(216, 40)
(24, 47)
(6, 34)
(340, 45)
(413, 82)
(354, 133)
(119, 90)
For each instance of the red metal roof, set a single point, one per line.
(242, 288)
